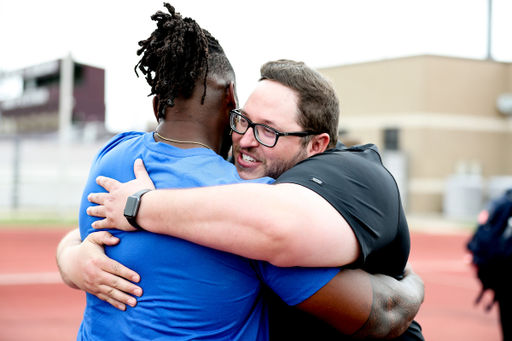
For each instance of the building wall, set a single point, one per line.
(464, 86)
(445, 110)
(425, 202)
(391, 86)
(89, 96)
(508, 84)
(508, 151)
(36, 110)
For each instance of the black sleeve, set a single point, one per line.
(357, 185)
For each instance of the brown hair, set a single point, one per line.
(318, 103)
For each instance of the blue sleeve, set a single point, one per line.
(122, 172)
(294, 284)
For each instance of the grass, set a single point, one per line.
(38, 220)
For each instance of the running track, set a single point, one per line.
(36, 305)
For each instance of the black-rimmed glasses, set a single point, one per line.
(264, 134)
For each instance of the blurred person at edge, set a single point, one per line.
(491, 253)
(352, 301)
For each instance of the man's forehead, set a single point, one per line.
(261, 117)
(271, 103)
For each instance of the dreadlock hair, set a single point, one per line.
(318, 104)
(178, 54)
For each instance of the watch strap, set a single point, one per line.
(132, 208)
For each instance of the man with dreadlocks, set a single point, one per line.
(192, 291)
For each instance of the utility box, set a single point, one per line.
(463, 196)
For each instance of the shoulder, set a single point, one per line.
(128, 135)
(346, 178)
(120, 139)
(366, 154)
(356, 183)
(339, 163)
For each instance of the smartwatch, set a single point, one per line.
(132, 208)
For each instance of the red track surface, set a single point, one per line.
(48, 310)
(449, 312)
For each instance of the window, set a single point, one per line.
(391, 139)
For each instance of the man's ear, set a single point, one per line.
(155, 107)
(318, 144)
(232, 98)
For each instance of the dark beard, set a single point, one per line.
(279, 168)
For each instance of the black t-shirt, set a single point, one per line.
(355, 182)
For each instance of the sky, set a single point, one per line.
(321, 33)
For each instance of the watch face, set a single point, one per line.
(131, 206)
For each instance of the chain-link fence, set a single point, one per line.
(41, 177)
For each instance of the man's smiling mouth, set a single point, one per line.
(248, 158)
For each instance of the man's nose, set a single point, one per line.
(249, 140)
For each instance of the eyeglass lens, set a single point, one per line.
(264, 135)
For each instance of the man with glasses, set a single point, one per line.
(265, 135)
(329, 208)
(268, 137)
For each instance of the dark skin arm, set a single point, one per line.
(354, 302)
(344, 303)
(395, 304)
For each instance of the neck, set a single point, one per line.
(185, 131)
(173, 141)
(191, 120)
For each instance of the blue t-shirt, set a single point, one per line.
(190, 291)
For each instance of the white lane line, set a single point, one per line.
(30, 278)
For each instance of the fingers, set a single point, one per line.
(122, 271)
(116, 304)
(98, 198)
(103, 238)
(110, 280)
(140, 170)
(117, 298)
(110, 224)
(100, 224)
(141, 173)
(109, 271)
(118, 290)
(97, 211)
(108, 183)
